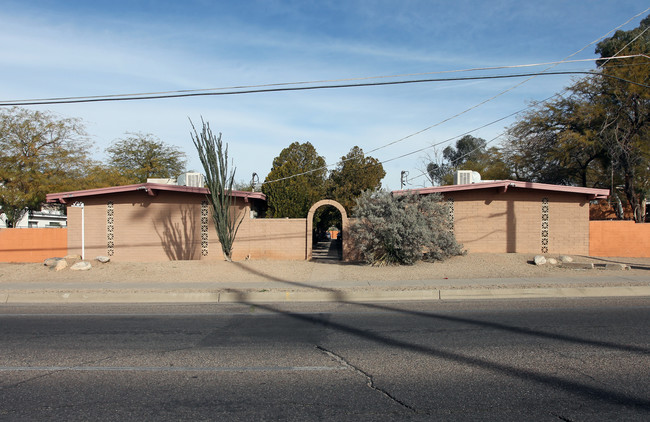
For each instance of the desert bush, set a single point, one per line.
(401, 230)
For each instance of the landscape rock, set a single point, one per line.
(578, 265)
(618, 267)
(565, 259)
(552, 261)
(103, 259)
(50, 262)
(81, 266)
(61, 264)
(539, 260)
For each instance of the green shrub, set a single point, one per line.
(401, 230)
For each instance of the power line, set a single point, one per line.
(565, 60)
(287, 89)
(284, 87)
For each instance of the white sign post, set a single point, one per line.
(83, 226)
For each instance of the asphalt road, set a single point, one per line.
(552, 360)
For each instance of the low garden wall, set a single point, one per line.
(32, 245)
(619, 238)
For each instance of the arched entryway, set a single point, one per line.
(310, 226)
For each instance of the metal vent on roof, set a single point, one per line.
(466, 177)
(191, 179)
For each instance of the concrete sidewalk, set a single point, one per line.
(616, 285)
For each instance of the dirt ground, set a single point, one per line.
(471, 266)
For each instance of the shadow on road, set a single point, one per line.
(554, 381)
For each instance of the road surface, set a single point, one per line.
(567, 360)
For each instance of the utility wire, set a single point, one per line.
(471, 108)
(308, 88)
(261, 87)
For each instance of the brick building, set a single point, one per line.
(512, 216)
(158, 222)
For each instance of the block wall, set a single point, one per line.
(32, 245)
(619, 239)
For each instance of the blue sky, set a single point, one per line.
(80, 48)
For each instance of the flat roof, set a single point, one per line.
(150, 189)
(504, 185)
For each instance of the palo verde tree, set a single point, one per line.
(404, 229)
(141, 156)
(296, 181)
(40, 153)
(219, 179)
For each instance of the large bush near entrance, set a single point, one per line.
(401, 230)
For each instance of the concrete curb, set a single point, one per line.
(324, 295)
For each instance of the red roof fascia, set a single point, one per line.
(149, 188)
(503, 185)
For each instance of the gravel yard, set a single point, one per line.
(471, 266)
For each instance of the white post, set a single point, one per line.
(83, 227)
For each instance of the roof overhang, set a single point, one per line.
(150, 189)
(502, 186)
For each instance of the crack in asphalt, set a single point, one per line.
(369, 380)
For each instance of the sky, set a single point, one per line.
(93, 48)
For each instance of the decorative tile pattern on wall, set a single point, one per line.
(544, 225)
(110, 229)
(204, 228)
(450, 204)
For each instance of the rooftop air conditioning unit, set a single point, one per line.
(191, 179)
(466, 177)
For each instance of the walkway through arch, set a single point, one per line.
(344, 226)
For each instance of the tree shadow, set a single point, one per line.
(180, 238)
(554, 381)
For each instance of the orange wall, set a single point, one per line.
(619, 239)
(32, 245)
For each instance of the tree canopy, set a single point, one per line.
(353, 175)
(39, 153)
(597, 132)
(141, 156)
(293, 196)
(469, 153)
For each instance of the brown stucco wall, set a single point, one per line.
(491, 221)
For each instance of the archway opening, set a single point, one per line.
(327, 222)
(327, 234)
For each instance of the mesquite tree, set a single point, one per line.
(214, 158)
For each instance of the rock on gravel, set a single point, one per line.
(81, 266)
(539, 260)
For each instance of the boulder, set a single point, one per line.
(539, 260)
(103, 259)
(81, 266)
(565, 259)
(61, 264)
(50, 262)
(552, 261)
